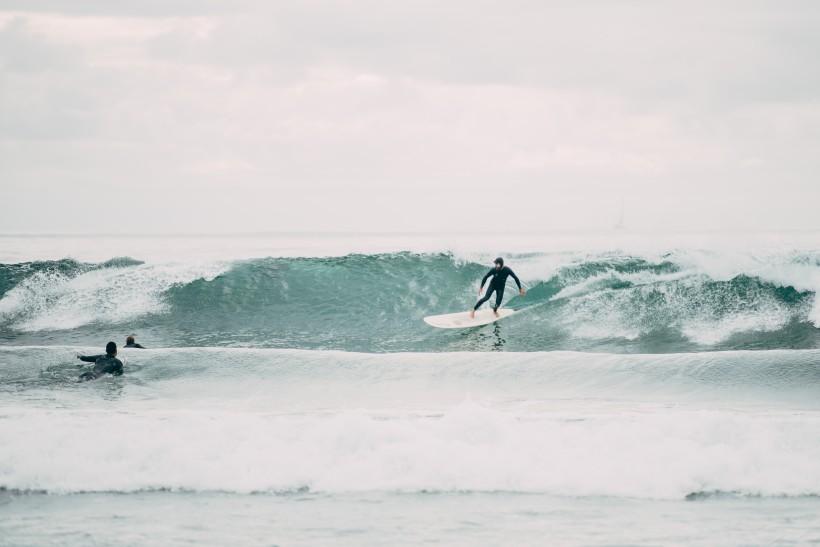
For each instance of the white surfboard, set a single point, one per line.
(462, 320)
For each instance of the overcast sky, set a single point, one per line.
(205, 116)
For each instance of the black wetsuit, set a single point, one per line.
(103, 364)
(497, 283)
(134, 346)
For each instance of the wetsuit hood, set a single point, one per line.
(500, 261)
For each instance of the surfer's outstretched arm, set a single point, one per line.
(517, 282)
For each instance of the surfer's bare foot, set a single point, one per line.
(472, 314)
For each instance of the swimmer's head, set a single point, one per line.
(111, 348)
(499, 262)
(129, 340)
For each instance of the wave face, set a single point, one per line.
(674, 302)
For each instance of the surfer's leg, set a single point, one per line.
(478, 304)
(486, 297)
(499, 294)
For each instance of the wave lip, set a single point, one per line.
(113, 292)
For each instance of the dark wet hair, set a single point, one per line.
(111, 348)
(129, 340)
(500, 261)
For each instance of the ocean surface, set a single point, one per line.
(652, 389)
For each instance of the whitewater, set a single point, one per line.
(652, 389)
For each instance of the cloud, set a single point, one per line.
(441, 107)
(25, 51)
(144, 8)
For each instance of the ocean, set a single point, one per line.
(652, 389)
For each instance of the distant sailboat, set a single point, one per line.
(620, 225)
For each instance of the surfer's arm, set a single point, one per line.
(517, 282)
(486, 277)
(88, 358)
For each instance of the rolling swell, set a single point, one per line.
(270, 420)
(375, 303)
(286, 376)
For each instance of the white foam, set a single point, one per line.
(52, 301)
(768, 316)
(802, 277)
(603, 280)
(662, 454)
(633, 312)
(782, 266)
(597, 312)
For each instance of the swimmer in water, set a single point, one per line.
(103, 364)
(130, 342)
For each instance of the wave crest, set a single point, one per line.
(588, 302)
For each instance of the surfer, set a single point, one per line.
(499, 274)
(103, 364)
(130, 342)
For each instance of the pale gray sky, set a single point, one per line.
(205, 116)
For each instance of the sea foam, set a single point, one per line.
(662, 454)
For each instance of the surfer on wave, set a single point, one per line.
(499, 274)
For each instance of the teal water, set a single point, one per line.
(607, 302)
(644, 394)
